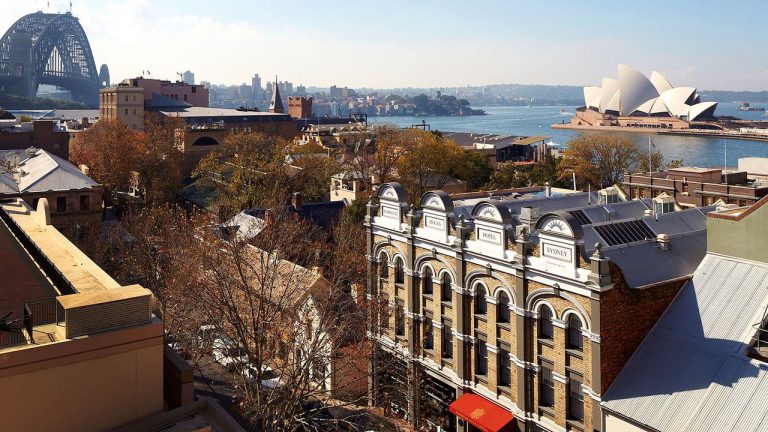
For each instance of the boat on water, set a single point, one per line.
(744, 106)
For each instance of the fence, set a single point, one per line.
(36, 313)
(11, 332)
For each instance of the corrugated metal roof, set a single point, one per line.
(691, 372)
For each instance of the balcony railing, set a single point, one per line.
(36, 313)
(11, 332)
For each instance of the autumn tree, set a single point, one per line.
(111, 151)
(377, 160)
(476, 171)
(248, 170)
(154, 247)
(283, 319)
(160, 165)
(311, 170)
(508, 175)
(428, 162)
(657, 161)
(598, 160)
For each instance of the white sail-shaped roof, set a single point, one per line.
(592, 97)
(659, 107)
(634, 94)
(615, 103)
(706, 109)
(646, 107)
(636, 89)
(610, 87)
(660, 82)
(676, 100)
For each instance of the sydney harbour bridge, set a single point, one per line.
(44, 48)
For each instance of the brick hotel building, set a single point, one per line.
(516, 312)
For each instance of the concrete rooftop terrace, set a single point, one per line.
(77, 269)
(53, 288)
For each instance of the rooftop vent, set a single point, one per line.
(663, 240)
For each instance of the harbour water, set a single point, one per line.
(536, 120)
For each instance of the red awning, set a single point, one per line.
(481, 413)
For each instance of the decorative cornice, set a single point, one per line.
(492, 348)
(415, 317)
(391, 304)
(490, 300)
(371, 259)
(591, 336)
(409, 272)
(558, 323)
(591, 393)
(437, 324)
(559, 378)
(463, 337)
(521, 311)
(460, 290)
(524, 364)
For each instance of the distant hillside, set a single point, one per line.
(734, 96)
(523, 94)
(11, 102)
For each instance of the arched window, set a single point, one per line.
(383, 267)
(481, 307)
(427, 281)
(502, 308)
(399, 272)
(445, 288)
(545, 322)
(575, 341)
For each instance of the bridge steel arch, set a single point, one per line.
(43, 48)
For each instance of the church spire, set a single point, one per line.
(276, 105)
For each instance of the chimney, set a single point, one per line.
(663, 240)
(84, 169)
(296, 200)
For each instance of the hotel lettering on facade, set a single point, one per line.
(516, 313)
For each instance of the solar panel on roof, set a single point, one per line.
(624, 232)
(580, 216)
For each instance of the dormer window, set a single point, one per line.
(663, 204)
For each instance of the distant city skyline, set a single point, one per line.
(405, 44)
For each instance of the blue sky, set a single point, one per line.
(705, 44)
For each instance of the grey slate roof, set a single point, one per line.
(60, 114)
(642, 262)
(42, 173)
(691, 372)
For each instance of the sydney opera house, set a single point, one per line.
(633, 100)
